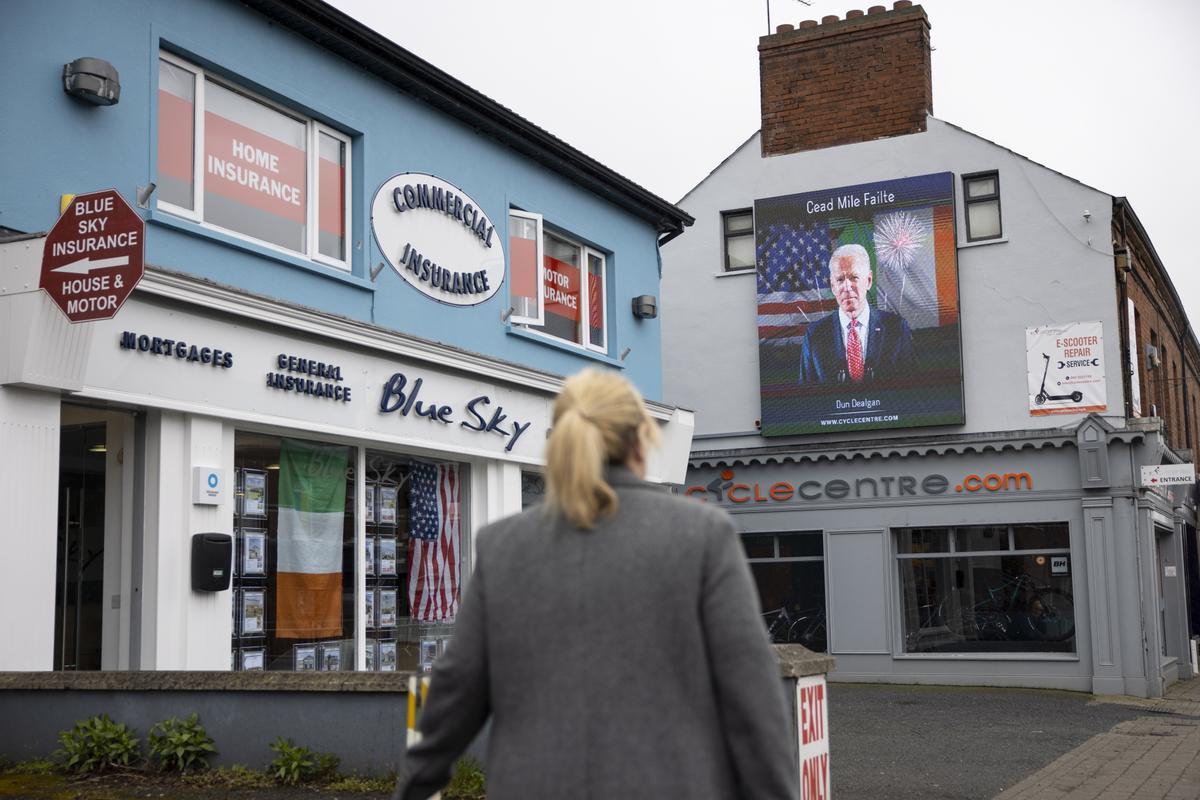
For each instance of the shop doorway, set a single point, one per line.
(78, 597)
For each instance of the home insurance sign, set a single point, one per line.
(438, 239)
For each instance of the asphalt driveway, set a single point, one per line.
(952, 743)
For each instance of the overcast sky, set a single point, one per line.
(661, 91)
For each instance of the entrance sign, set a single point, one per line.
(438, 239)
(1066, 369)
(94, 256)
(1169, 475)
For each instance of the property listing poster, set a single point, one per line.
(1066, 368)
(858, 308)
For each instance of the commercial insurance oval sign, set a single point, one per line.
(437, 238)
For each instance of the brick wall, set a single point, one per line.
(844, 81)
(1170, 390)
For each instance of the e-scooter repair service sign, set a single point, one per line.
(1066, 368)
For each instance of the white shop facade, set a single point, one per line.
(203, 409)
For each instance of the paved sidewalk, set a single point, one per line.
(1152, 757)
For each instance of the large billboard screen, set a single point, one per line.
(858, 321)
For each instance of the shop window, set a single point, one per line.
(295, 595)
(293, 570)
(789, 571)
(981, 196)
(559, 286)
(986, 589)
(234, 161)
(737, 236)
(533, 489)
(413, 556)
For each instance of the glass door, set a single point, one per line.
(78, 622)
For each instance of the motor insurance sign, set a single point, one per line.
(1169, 475)
(94, 256)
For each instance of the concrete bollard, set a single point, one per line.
(804, 676)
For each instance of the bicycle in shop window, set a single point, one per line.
(1015, 610)
(806, 627)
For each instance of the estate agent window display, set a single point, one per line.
(986, 589)
(294, 579)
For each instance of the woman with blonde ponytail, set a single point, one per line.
(599, 421)
(611, 636)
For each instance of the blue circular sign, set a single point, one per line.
(212, 480)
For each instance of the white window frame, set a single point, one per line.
(312, 161)
(584, 295)
(725, 215)
(314, 172)
(540, 319)
(585, 323)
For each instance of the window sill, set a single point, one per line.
(986, 656)
(732, 273)
(169, 220)
(514, 330)
(982, 243)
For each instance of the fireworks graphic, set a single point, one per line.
(898, 239)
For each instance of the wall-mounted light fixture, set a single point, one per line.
(1153, 361)
(92, 80)
(645, 306)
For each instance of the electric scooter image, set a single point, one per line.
(1042, 397)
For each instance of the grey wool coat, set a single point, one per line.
(621, 663)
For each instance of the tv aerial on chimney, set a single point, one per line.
(771, 30)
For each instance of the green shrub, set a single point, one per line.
(467, 783)
(298, 764)
(180, 745)
(292, 764)
(96, 744)
(325, 767)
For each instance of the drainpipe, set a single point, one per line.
(1137, 540)
(1123, 315)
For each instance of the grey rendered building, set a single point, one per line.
(958, 497)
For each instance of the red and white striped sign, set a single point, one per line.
(812, 723)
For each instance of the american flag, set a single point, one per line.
(793, 280)
(433, 549)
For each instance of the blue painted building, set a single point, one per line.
(397, 272)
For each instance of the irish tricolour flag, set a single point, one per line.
(312, 508)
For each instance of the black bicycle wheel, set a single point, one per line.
(1056, 622)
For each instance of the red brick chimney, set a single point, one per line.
(845, 81)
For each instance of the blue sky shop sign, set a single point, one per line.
(438, 239)
(406, 398)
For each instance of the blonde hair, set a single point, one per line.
(599, 419)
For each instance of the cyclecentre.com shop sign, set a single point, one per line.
(727, 488)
